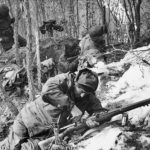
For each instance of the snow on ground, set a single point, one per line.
(132, 86)
(136, 78)
(105, 139)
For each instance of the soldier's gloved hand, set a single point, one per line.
(90, 122)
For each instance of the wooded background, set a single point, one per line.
(125, 19)
(128, 22)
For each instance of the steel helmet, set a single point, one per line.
(97, 31)
(4, 10)
(87, 79)
(5, 20)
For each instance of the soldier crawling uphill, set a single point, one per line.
(6, 29)
(59, 95)
(92, 47)
(79, 55)
(94, 39)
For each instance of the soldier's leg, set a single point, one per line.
(18, 133)
(4, 145)
(20, 139)
(8, 144)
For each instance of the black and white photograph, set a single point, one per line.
(74, 74)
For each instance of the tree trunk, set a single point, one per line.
(10, 8)
(134, 19)
(42, 3)
(65, 23)
(92, 14)
(73, 24)
(29, 50)
(137, 20)
(87, 14)
(78, 21)
(70, 18)
(38, 47)
(42, 15)
(104, 15)
(1, 49)
(16, 33)
(102, 10)
(131, 29)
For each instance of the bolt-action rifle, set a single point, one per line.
(99, 118)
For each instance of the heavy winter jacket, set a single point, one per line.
(67, 64)
(36, 119)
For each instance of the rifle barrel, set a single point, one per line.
(68, 126)
(102, 118)
(118, 111)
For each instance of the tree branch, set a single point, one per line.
(125, 6)
(129, 2)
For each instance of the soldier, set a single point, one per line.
(94, 39)
(6, 29)
(68, 61)
(92, 47)
(59, 95)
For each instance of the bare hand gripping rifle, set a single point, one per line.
(99, 118)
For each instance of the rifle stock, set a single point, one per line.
(45, 143)
(100, 118)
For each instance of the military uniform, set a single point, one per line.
(67, 64)
(6, 30)
(34, 122)
(68, 61)
(94, 39)
(92, 46)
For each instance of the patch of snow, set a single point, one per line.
(100, 67)
(135, 78)
(132, 87)
(103, 140)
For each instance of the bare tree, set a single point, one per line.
(137, 19)
(103, 17)
(87, 14)
(29, 50)
(78, 21)
(43, 9)
(92, 13)
(64, 20)
(132, 9)
(102, 10)
(72, 19)
(37, 45)
(16, 33)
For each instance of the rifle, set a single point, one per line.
(72, 58)
(113, 45)
(99, 118)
